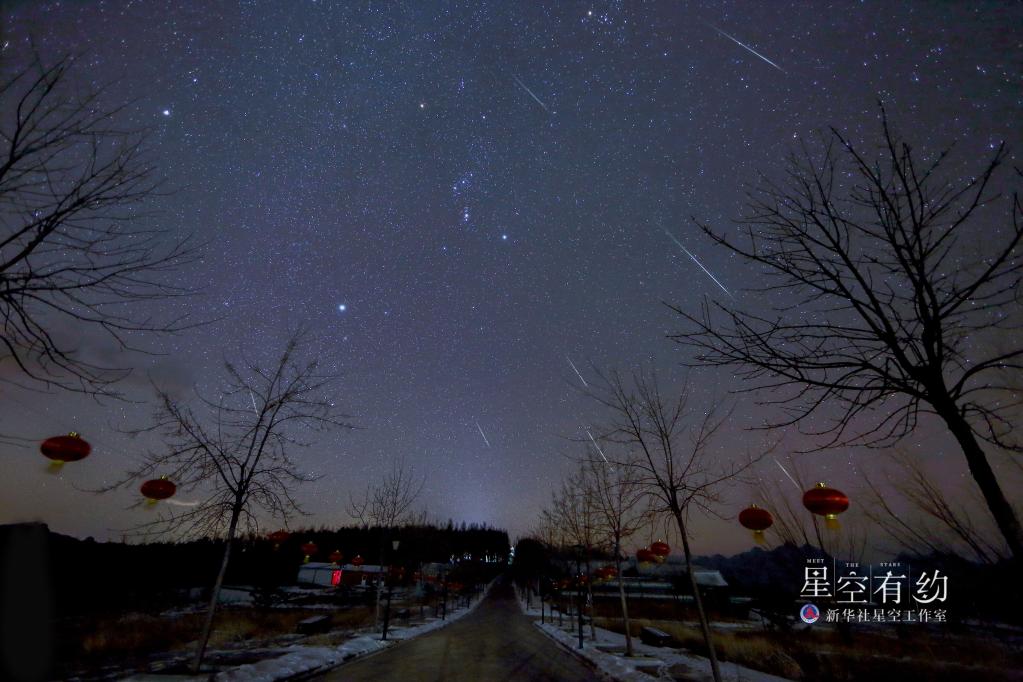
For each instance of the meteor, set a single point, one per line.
(596, 446)
(179, 503)
(523, 86)
(688, 253)
(747, 47)
(787, 474)
(483, 434)
(577, 372)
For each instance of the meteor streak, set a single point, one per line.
(747, 47)
(688, 253)
(787, 474)
(577, 372)
(182, 504)
(483, 434)
(596, 446)
(523, 86)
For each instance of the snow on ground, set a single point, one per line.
(302, 660)
(656, 660)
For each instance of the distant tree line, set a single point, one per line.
(93, 577)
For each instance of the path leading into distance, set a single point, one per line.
(494, 642)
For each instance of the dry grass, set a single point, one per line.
(134, 636)
(904, 653)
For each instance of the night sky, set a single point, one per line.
(458, 198)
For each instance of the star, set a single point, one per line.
(342, 307)
(166, 112)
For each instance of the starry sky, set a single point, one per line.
(458, 198)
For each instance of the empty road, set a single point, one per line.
(494, 642)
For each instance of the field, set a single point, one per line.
(895, 652)
(134, 640)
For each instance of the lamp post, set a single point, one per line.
(444, 609)
(390, 585)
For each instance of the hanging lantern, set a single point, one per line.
(336, 556)
(645, 556)
(358, 560)
(757, 520)
(309, 549)
(60, 449)
(279, 536)
(826, 502)
(660, 550)
(157, 489)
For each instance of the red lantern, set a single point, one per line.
(757, 520)
(309, 549)
(645, 556)
(336, 556)
(826, 502)
(358, 560)
(279, 536)
(69, 448)
(660, 550)
(158, 489)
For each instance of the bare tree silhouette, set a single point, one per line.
(73, 253)
(621, 509)
(237, 450)
(388, 504)
(878, 313)
(936, 523)
(667, 444)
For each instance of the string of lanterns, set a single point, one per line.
(820, 500)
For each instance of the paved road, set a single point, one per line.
(494, 642)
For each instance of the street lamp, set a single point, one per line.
(390, 585)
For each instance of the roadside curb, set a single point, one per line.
(589, 663)
(602, 674)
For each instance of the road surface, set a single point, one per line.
(494, 642)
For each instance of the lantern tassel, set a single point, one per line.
(758, 537)
(831, 521)
(55, 466)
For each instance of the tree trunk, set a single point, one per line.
(207, 627)
(376, 606)
(579, 602)
(625, 606)
(593, 603)
(980, 468)
(704, 624)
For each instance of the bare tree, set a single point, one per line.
(387, 505)
(668, 446)
(72, 252)
(885, 277)
(238, 450)
(621, 510)
(936, 524)
(573, 511)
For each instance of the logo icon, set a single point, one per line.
(809, 614)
